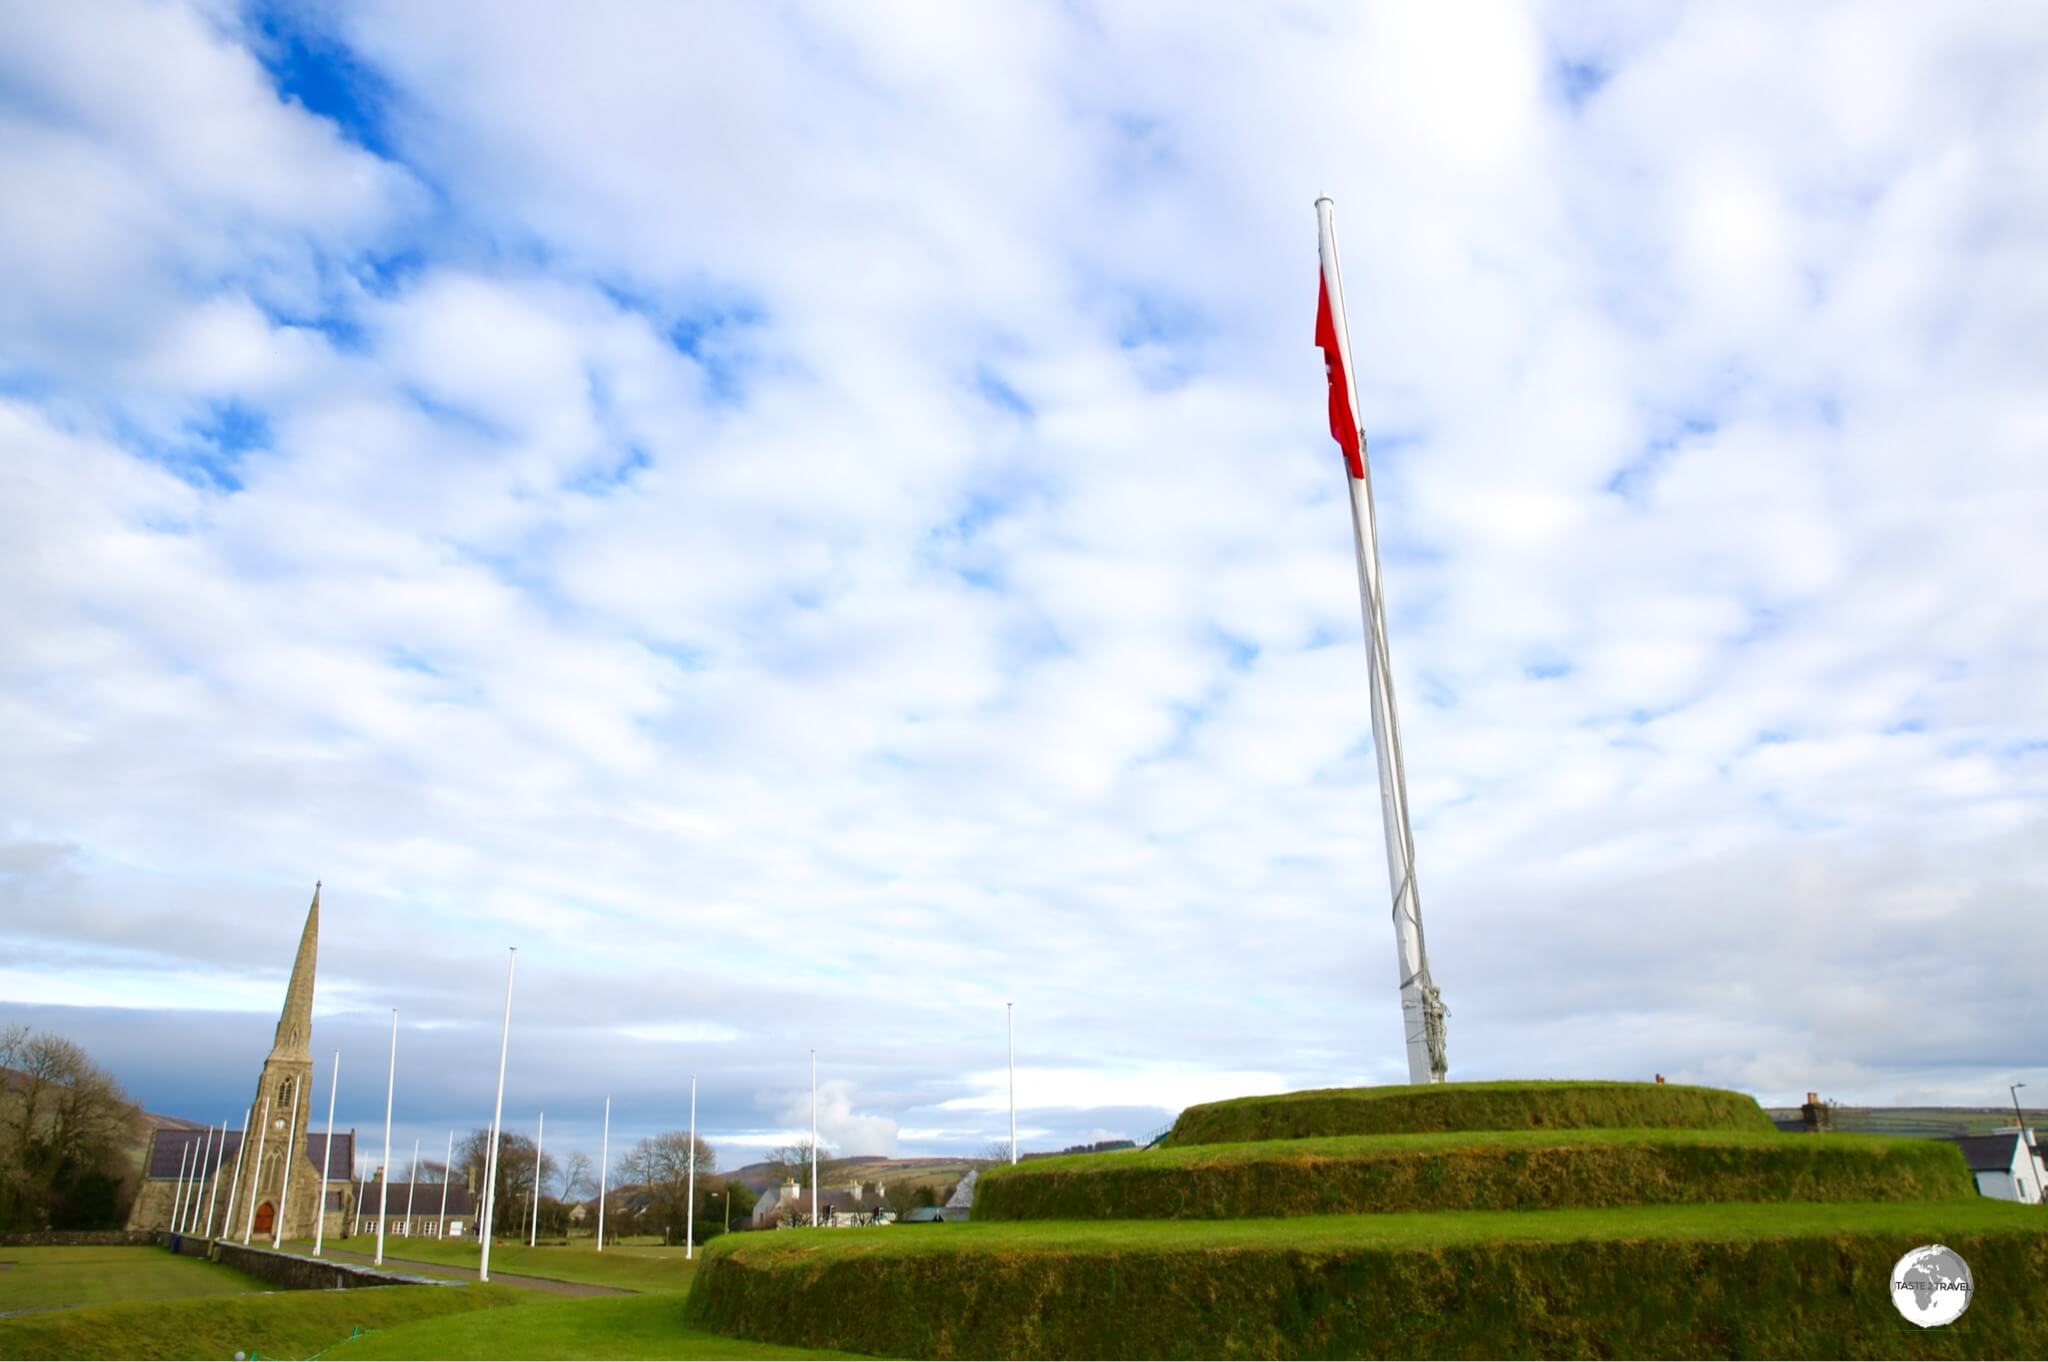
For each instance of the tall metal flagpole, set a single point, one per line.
(814, 1137)
(256, 1174)
(220, 1158)
(326, 1160)
(357, 1228)
(447, 1172)
(197, 1154)
(690, 1204)
(1422, 1008)
(539, 1134)
(291, 1139)
(186, 1220)
(483, 1271)
(604, 1167)
(178, 1200)
(384, 1175)
(1010, 1028)
(227, 1217)
(412, 1185)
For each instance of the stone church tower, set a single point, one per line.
(284, 1101)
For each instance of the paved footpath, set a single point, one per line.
(469, 1274)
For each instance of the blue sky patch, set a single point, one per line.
(310, 64)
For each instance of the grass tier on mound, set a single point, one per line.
(614, 1327)
(1423, 1107)
(274, 1324)
(1788, 1280)
(1492, 1171)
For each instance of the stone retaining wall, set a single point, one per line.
(294, 1272)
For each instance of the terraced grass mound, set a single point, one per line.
(1789, 1280)
(1421, 1108)
(1493, 1171)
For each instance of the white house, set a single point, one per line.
(2004, 1166)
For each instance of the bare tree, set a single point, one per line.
(661, 1165)
(579, 1177)
(64, 1127)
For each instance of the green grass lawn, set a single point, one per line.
(632, 1267)
(49, 1278)
(648, 1326)
(272, 1324)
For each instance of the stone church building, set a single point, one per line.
(271, 1188)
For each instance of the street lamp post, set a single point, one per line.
(2019, 1117)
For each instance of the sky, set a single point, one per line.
(815, 522)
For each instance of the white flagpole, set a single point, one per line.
(539, 1133)
(178, 1197)
(256, 1174)
(326, 1158)
(384, 1178)
(191, 1221)
(208, 1162)
(604, 1168)
(814, 1137)
(291, 1140)
(412, 1183)
(357, 1228)
(447, 1172)
(1010, 1027)
(483, 1272)
(227, 1217)
(1422, 1009)
(690, 1206)
(182, 1220)
(213, 1192)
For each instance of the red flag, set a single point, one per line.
(1343, 424)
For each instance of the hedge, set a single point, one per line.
(1467, 1106)
(1807, 1291)
(1500, 1171)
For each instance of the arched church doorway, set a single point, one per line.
(266, 1218)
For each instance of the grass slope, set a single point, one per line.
(598, 1326)
(1499, 1170)
(1515, 1105)
(1744, 1280)
(273, 1324)
(632, 1267)
(44, 1278)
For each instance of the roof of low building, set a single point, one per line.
(1987, 1153)
(171, 1149)
(426, 1198)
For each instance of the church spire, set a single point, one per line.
(295, 1023)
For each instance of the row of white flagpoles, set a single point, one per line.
(192, 1173)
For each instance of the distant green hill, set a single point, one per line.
(1930, 1122)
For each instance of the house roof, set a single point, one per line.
(426, 1198)
(1987, 1153)
(171, 1148)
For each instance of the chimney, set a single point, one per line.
(1815, 1115)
